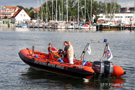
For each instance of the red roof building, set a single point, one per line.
(20, 16)
(126, 9)
(8, 11)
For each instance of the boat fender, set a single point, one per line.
(85, 61)
(36, 56)
(60, 60)
(105, 40)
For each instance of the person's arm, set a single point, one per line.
(54, 49)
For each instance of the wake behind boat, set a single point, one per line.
(55, 62)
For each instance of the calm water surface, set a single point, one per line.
(16, 75)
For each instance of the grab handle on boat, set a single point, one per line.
(60, 60)
(85, 61)
(33, 50)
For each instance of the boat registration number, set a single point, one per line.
(50, 65)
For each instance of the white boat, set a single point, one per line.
(86, 26)
(40, 25)
(61, 26)
(35, 25)
(71, 26)
(77, 26)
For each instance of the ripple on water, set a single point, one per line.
(16, 75)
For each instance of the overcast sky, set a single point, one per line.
(33, 3)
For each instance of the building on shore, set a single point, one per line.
(8, 11)
(20, 17)
(125, 16)
(13, 14)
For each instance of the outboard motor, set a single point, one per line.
(108, 69)
(98, 67)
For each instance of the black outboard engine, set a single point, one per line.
(98, 67)
(108, 69)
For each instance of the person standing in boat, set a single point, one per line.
(70, 53)
(51, 48)
(65, 52)
(65, 48)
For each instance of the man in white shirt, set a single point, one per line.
(70, 53)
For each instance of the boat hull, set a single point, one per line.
(50, 62)
(57, 67)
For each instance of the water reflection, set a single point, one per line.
(52, 30)
(52, 81)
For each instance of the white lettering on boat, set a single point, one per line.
(60, 67)
(49, 65)
(81, 67)
(41, 63)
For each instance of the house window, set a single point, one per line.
(24, 15)
(101, 16)
(20, 14)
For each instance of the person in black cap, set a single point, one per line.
(65, 48)
(65, 52)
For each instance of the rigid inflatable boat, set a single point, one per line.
(54, 62)
(50, 62)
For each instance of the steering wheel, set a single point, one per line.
(60, 51)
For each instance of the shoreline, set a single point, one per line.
(7, 25)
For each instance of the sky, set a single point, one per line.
(33, 3)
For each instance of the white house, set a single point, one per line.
(20, 17)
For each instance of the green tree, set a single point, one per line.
(32, 15)
(20, 6)
(97, 8)
(5, 17)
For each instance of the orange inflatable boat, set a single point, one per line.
(53, 62)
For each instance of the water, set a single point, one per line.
(16, 75)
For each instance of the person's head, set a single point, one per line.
(69, 43)
(50, 45)
(65, 43)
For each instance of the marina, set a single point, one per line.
(59, 15)
(67, 45)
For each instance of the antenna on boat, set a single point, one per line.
(88, 49)
(105, 49)
(33, 50)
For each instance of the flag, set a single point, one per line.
(88, 48)
(109, 54)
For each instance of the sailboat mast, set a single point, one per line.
(52, 9)
(67, 11)
(91, 12)
(85, 9)
(41, 10)
(62, 10)
(78, 11)
(134, 12)
(59, 12)
(46, 11)
(37, 9)
(56, 10)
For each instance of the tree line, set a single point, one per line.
(97, 8)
